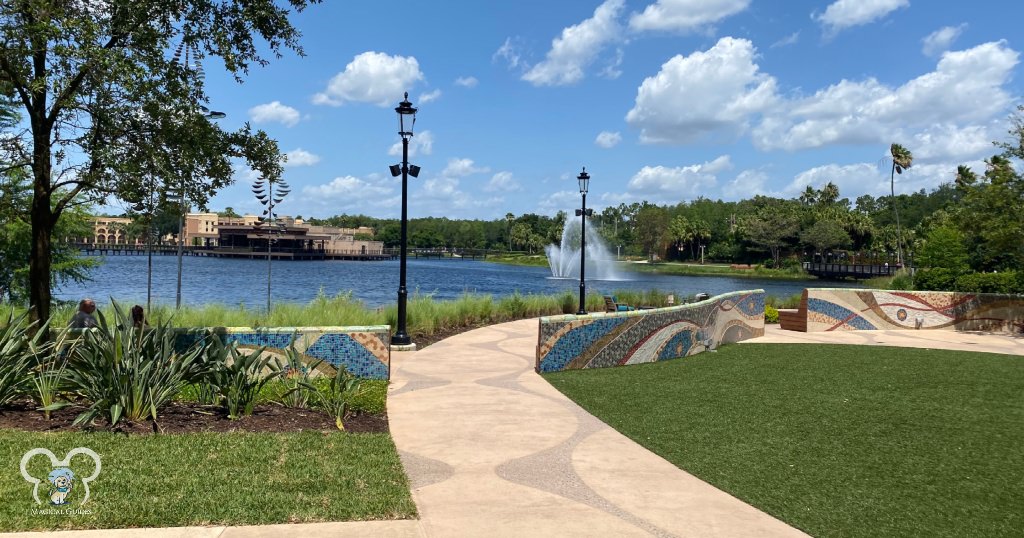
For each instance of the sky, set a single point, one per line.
(660, 100)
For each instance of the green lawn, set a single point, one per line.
(835, 440)
(211, 479)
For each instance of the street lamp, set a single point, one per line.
(406, 122)
(583, 213)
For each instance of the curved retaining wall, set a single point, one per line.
(364, 351)
(830, 309)
(619, 338)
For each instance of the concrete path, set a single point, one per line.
(493, 450)
(936, 339)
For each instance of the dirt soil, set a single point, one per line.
(188, 417)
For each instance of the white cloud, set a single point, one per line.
(748, 183)
(351, 194)
(430, 96)
(274, 112)
(791, 39)
(509, 51)
(503, 182)
(560, 201)
(661, 184)
(577, 47)
(372, 77)
(844, 14)
(461, 168)
(940, 40)
(858, 179)
(716, 90)
(966, 88)
(300, 157)
(685, 15)
(466, 82)
(607, 139)
(421, 143)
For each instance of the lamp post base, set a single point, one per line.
(403, 347)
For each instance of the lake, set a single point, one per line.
(235, 281)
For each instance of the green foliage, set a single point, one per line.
(1002, 282)
(335, 398)
(651, 229)
(296, 380)
(991, 215)
(944, 247)
(826, 235)
(239, 375)
(125, 373)
(771, 314)
(938, 279)
(15, 356)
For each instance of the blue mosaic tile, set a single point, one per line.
(678, 346)
(839, 313)
(576, 341)
(342, 350)
(273, 340)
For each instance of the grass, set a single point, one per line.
(692, 269)
(835, 440)
(531, 260)
(211, 479)
(371, 398)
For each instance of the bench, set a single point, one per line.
(610, 305)
(795, 320)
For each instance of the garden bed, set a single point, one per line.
(190, 417)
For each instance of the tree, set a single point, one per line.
(103, 102)
(229, 212)
(902, 159)
(992, 214)
(771, 226)
(521, 232)
(944, 247)
(509, 217)
(825, 235)
(651, 228)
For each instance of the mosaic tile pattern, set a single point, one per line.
(850, 310)
(361, 350)
(619, 338)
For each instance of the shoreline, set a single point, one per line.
(671, 268)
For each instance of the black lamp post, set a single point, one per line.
(406, 122)
(583, 213)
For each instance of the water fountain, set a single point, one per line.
(565, 260)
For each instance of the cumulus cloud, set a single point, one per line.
(503, 182)
(300, 157)
(274, 112)
(559, 201)
(466, 82)
(372, 77)
(716, 90)
(685, 15)
(350, 193)
(422, 143)
(430, 96)
(940, 40)
(858, 179)
(965, 90)
(662, 184)
(577, 47)
(607, 139)
(747, 183)
(844, 14)
(461, 168)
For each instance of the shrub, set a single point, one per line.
(127, 373)
(239, 376)
(296, 380)
(1005, 282)
(335, 397)
(771, 314)
(937, 279)
(15, 358)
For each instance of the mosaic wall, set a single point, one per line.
(859, 310)
(364, 351)
(618, 338)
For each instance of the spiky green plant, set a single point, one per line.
(15, 356)
(334, 398)
(296, 380)
(239, 375)
(130, 374)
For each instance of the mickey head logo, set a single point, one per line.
(61, 478)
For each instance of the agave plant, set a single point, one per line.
(239, 375)
(296, 379)
(15, 355)
(47, 378)
(130, 374)
(335, 397)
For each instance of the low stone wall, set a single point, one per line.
(830, 309)
(640, 336)
(364, 351)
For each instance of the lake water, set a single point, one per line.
(235, 281)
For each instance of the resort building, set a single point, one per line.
(112, 231)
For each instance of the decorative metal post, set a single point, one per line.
(583, 213)
(406, 122)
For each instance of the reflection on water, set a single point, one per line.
(230, 281)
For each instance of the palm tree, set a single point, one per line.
(509, 217)
(902, 159)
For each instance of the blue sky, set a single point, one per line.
(661, 100)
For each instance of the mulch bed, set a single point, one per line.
(188, 417)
